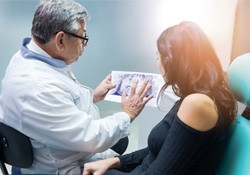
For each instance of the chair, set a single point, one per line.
(236, 158)
(238, 74)
(239, 81)
(15, 148)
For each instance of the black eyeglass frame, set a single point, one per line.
(85, 39)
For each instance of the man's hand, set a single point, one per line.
(102, 89)
(135, 102)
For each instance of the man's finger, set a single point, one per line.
(145, 90)
(123, 95)
(148, 98)
(133, 87)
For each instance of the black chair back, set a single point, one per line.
(15, 148)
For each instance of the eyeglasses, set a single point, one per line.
(85, 39)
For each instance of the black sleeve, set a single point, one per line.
(132, 160)
(181, 147)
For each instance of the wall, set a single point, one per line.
(122, 32)
(241, 44)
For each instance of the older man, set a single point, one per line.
(42, 98)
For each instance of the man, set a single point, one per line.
(42, 98)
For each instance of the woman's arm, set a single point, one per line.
(130, 161)
(125, 163)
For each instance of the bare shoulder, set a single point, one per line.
(198, 111)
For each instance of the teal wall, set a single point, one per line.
(122, 36)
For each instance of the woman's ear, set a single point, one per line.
(60, 40)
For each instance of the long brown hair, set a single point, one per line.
(192, 66)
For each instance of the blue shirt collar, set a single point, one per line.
(26, 53)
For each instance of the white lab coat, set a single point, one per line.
(42, 99)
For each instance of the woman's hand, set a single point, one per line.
(101, 166)
(102, 89)
(135, 102)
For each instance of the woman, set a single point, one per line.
(191, 137)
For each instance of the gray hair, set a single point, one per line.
(52, 16)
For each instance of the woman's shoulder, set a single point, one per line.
(198, 111)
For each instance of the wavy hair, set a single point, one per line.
(192, 66)
(52, 16)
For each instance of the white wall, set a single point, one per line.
(216, 17)
(241, 44)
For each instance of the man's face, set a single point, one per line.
(74, 45)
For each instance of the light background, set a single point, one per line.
(122, 33)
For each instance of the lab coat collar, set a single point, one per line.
(26, 53)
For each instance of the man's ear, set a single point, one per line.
(60, 40)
